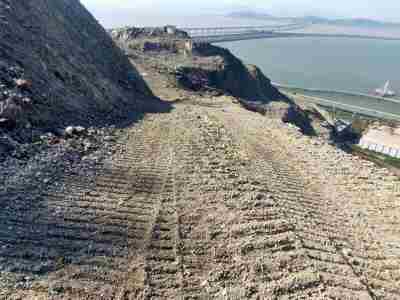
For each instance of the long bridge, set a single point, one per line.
(238, 33)
(235, 33)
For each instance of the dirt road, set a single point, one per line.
(208, 201)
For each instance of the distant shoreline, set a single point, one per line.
(252, 36)
(358, 36)
(363, 109)
(347, 93)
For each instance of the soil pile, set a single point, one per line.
(224, 71)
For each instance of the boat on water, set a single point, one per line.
(385, 91)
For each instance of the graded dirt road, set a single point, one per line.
(208, 201)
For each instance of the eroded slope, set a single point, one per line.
(58, 65)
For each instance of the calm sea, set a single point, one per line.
(355, 65)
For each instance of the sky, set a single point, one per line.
(113, 13)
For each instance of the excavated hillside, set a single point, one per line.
(59, 66)
(202, 64)
(205, 67)
(202, 200)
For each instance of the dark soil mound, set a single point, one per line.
(245, 81)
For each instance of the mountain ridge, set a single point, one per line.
(357, 21)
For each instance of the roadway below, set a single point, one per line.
(385, 108)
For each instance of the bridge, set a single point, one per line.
(238, 33)
(235, 33)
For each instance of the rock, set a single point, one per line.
(91, 131)
(259, 196)
(69, 131)
(23, 83)
(355, 262)
(7, 123)
(347, 252)
(80, 129)
(55, 289)
(47, 136)
(26, 100)
(108, 138)
(87, 146)
(72, 130)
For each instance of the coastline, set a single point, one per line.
(349, 93)
(269, 35)
(337, 35)
(338, 104)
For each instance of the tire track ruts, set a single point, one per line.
(82, 240)
(304, 209)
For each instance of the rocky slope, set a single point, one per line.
(205, 67)
(59, 66)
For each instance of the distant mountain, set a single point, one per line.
(364, 23)
(248, 14)
(356, 22)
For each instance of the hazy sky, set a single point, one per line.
(116, 12)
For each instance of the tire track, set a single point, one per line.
(200, 206)
(322, 237)
(83, 241)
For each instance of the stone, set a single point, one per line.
(87, 146)
(80, 129)
(7, 123)
(91, 131)
(347, 252)
(23, 83)
(72, 130)
(355, 262)
(108, 138)
(26, 100)
(69, 131)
